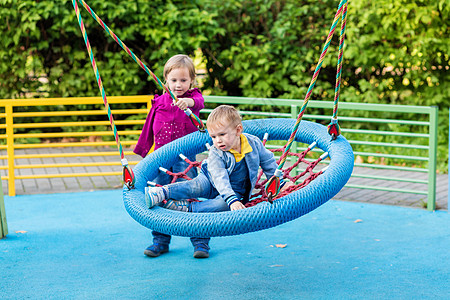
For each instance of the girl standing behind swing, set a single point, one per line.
(166, 122)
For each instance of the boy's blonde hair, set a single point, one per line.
(224, 115)
(180, 61)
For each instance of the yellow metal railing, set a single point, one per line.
(17, 125)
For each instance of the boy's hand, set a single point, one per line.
(237, 205)
(184, 103)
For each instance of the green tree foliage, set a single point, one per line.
(270, 47)
(42, 51)
(408, 57)
(396, 51)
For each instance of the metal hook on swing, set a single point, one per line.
(195, 120)
(273, 186)
(333, 129)
(128, 175)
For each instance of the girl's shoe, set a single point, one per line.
(200, 252)
(154, 196)
(156, 250)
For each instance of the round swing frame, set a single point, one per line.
(259, 217)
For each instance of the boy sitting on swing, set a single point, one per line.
(227, 176)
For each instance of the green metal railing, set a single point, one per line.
(418, 138)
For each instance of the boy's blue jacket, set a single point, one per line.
(220, 164)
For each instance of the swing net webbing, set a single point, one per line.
(307, 175)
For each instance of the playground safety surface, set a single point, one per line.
(84, 245)
(71, 238)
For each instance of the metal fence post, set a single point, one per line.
(10, 149)
(3, 225)
(432, 153)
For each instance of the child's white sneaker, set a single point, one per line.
(154, 196)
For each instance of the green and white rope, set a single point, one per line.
(333, 127)
(128, 175)
(312, 84)
(99, 81)
(195, 119)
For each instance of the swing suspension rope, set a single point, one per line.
(194, 119)
(273, 184)
(333, 128)
(128, 174)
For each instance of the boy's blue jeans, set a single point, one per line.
(199, 187)
(163, 179)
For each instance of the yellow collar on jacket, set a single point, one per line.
(245, 148)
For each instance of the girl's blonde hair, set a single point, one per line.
(180, 61)
(224, 115)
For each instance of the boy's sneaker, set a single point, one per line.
(156, 250)
(200, 252)
(182, 205)
(154, 196)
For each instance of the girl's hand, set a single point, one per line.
(237, 205)
(184, 103)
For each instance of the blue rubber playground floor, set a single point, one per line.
(85, 246)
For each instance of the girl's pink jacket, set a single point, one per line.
(166, 122)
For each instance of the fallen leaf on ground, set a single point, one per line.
(272, 266)
(21, 231)
(358, 221)
(281, 245)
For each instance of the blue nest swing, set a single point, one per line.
(259, 217)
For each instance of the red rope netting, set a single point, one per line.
(308, 174)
